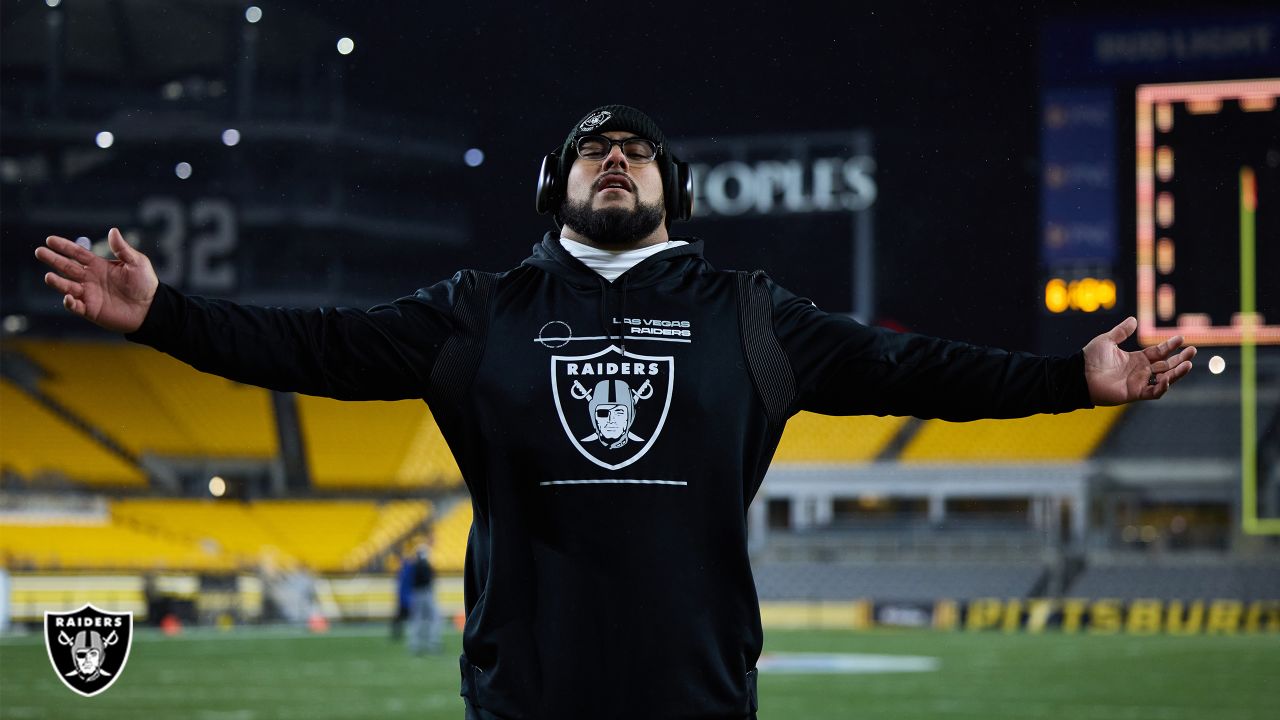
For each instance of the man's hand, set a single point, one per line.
(1116, 377)
(115, 294)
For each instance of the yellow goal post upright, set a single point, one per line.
(1251, 523)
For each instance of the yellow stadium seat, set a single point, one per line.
(177, 534)
(34, 442)
(322, 535)
(228, 528)
(812, 438)
(102, 547)
(449, 552)
(152, 403)
(1068, 437)
(374, 445)
(395, 520)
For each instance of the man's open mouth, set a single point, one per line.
(614, 182)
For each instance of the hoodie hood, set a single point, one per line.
(551, 257)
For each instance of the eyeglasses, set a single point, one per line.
(637, 149)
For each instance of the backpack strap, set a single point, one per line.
(770, 369)
(459, 359)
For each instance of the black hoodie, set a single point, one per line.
(612, 439)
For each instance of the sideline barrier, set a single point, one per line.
(1105, 616)
(1101, 616)
(30, 595)
(373, 597)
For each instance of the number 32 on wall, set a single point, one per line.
(193, 246)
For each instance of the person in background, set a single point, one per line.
(404, 596)
(424, 617)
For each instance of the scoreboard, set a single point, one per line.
(1208, 212)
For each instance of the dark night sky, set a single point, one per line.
(949, 91)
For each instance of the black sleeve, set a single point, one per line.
(845, 368)
(384, 353)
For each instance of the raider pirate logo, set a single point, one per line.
(595, 120)
(88, 647)
(612, 404)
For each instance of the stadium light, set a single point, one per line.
(14, 324)
(1055, 296)
(231, 137)
(346, 45)
(104, 139)
(53, 3)
(253, 13)
(182, 170)
(473, 157)
(1085, 294)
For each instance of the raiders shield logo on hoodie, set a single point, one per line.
(612, 404)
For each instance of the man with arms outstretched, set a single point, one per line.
(607, 579)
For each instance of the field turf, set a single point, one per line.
(259, 674)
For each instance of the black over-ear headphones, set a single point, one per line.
(677, 187)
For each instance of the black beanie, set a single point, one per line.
(605, 119)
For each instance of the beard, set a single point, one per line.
(611, 226)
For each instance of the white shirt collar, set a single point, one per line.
(610, 264)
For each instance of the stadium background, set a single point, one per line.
(954, 170)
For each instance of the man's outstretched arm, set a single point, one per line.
(385, 353)
(845, 368)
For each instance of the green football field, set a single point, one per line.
(252, 674)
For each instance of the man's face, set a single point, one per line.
(614, 215)
(612, 421)
(87, 660)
